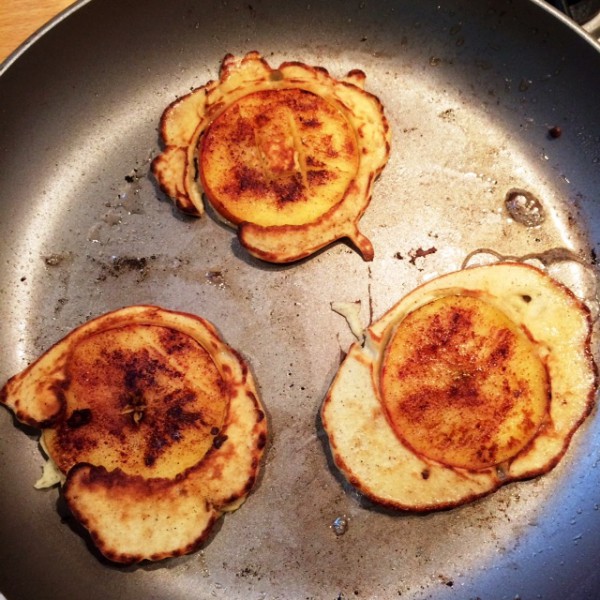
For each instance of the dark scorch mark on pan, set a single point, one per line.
(415, 253)
(119, 265)
(57, 259)
(420, 253)
(144, 267)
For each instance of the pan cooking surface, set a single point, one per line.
(471, 91)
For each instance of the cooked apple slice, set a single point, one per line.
(278, 157)
(288, 156)
(474, 379)
(462, 384)
(154, 421)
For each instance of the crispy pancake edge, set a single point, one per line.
(287, 243)
(365, 362)
(222, 479)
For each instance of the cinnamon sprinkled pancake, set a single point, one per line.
(287, 156)
(154, 423)
(474, 379)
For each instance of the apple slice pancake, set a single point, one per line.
(474, 379)
(155, 424)
(288, 156)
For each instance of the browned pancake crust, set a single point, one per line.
(282, 183)
(368, 440)
(155, 422)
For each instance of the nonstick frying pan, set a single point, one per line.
(471, 90)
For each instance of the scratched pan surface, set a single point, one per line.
(470, 90)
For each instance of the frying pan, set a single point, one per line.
(471, 90)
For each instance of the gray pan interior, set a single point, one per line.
(471, 90)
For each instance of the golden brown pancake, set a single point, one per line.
(155, 424)
(288, 156)
(474, 379)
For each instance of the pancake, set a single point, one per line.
(474, 379)
(154, 423)
(287, 156)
